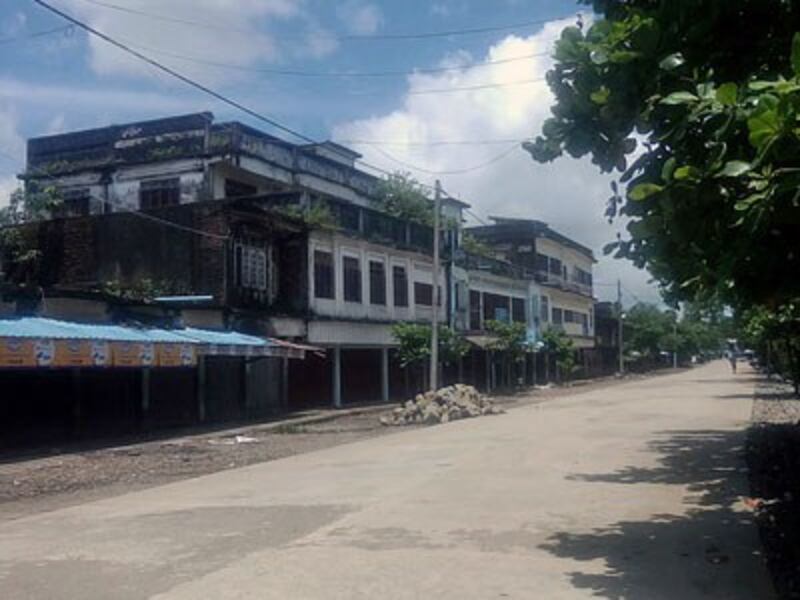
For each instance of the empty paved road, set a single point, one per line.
(628, 492)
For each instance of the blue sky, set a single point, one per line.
(67, 81)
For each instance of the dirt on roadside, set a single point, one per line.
(77, 475)
(47, 483)
(773, 455)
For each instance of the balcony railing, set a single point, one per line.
(558, 281)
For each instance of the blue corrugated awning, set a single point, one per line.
(221, 338)
(205, 341)
(43, 328)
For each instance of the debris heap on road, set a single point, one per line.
(447, 404)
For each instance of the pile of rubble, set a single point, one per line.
(447, 404)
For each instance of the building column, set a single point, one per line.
(488, 358)
(145, 393)
(201, 388)
(284, 384)
(77, 402)
(385, 374)
(337, 377)
(249, 407)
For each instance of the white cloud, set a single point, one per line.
(360, 18)
(570, 195)
(440, 9)
(8, 183)
(12, 152)
(12, 25)
(58, 124)
(194, 32)
(11, 142)
(97, 99)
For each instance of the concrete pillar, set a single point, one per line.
(337, 377)
(249, 401)
(77, 402)
(201, 388)
(488, 357)
(145, 394)
(284, 384)
(385, 374)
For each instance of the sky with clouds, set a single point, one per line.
(405, 104)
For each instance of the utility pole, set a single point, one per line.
(437, 201)
(675, 343)
(619, 327)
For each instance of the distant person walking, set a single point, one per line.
(732, 360)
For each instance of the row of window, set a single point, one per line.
(553, 266)
(495, 308)
(155, 193)
(325, 288)
(561, 316)
(583, 277)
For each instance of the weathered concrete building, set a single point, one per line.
(199, 208)
(186, 206)
(560, 268)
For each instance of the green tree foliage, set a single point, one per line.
(414, 341)
(511, 339)
(511, 344)
(649, 331)
(700, 121)
(402, 196)
(559, 344)
(472, 245)
(18, 245)
(316, 216)
(775, 334)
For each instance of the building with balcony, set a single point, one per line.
(288, 241)
(220, 210)
(558, 268)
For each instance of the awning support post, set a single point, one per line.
(201, 388)
(385, 374)
(337, 377)
(284, 384)
(77, 401)
(488, 356)
(145, 392)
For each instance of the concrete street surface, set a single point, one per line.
(633, 491)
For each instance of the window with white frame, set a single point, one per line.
(324, 286)
(351, 268)
(251, 266)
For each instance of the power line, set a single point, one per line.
(449, 90)
(239, 106)
(476, 217)
(334, 74)
(174, 73)
(483, 165)
(499, 142)
(338, 38)
(65, 29)
(472, 88)
(203, 88)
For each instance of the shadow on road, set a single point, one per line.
(644, 560)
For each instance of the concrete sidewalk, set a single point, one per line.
(626, 492)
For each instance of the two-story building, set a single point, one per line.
(288, 241)
(146, 201)
(559, 269)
